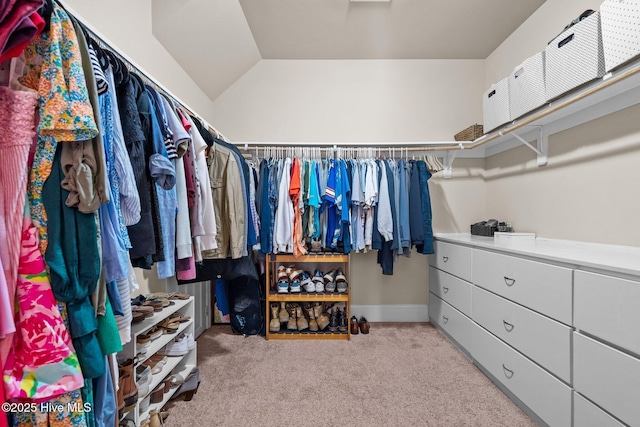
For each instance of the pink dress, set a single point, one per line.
(42, 363)
(17, 133)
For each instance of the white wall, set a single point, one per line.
(588, 191)
(369, 101)
(349, 100)
(127, 25)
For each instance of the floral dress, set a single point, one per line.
(42, 363)
(54, 70)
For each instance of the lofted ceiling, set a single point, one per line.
(216, 41)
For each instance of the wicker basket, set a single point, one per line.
(469, 134)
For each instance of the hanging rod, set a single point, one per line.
(324, 145)
(463, 145)
(136, 67)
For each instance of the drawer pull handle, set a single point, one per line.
(445, 258)
(507, 372)
(445, 289)
(445, 319)
(509, 281)
(508, 326)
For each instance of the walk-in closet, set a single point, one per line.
(319, 212)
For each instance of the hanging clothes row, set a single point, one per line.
(309, 204)
(101, 172)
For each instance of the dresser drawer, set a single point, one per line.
(545, 341)
(545, 395)
(608, 308)
(586, 414)
(454, 259)
(542, 287)
(451, 320)
(455, 291)
(607, 377)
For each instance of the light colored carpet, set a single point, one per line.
(401, 374)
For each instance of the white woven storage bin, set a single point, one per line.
(574, 57)
(526, 86)
(620, 22)
(495, 105)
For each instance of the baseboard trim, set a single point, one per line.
(392, 313)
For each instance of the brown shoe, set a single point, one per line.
(128, 384)
(322, 318)
(291, 324)
(354, 325)
(274, 323)
(302, 322)
(364, 325)
(313, 324)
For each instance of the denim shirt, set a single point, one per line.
(163, 174)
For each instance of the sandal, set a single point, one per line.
(177, 317)
(155, 305)
(137, 317)
(147, 311)
(155, 333)
(177, 295)
(170, 326)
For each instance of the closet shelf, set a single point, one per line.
(321, 257)
(148, 323)
(172, 362)
(184, 372)
(163, 340)
(308, 297)
(613, 92)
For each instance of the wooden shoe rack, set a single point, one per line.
(322, 261)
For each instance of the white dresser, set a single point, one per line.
(555, 324)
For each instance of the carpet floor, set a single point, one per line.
(400, 374)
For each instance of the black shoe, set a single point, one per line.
(342, 320)
(333, 320)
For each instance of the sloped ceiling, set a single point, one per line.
(217, 41)
(210, 39)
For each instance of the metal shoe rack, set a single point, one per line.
(322, 261)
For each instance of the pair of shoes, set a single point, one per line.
(341, 281)
(322, 318)
(154, 419)
(364, 325)
(157, 394)
(156, 363)
(143, 379)
(338, 320)
(190, 385)
(306, 282)
(179, 346)
(318, 280)
(288, 279)
(313, 323)
(297, 320)
(127, 384)
(316, 245)
(354, 325)
(274, 323)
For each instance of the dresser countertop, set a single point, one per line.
(581, 255)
